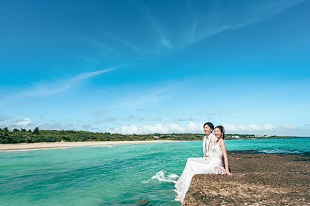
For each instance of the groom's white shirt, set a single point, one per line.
(206, 143)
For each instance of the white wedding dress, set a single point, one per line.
(212, 163)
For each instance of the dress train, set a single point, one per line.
(213, 164)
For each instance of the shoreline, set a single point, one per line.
(56, 145)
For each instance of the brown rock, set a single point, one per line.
(258, 179)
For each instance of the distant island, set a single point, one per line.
(33, 136)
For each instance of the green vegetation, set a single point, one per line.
(28, 136)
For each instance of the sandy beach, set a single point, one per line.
(48, 145)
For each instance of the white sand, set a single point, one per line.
(45, 145)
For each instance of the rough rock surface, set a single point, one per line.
(258, 179)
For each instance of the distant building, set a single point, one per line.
(261, 135)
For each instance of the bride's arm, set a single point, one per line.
(223, 148)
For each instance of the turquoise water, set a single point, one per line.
(111, 175)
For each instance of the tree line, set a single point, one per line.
(31, 136)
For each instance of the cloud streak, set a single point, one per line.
(203, 28)
(196, 24)
(164, 41)
(149, 98)
(249, 127)
(159, 128)
(201, 23)
(46, 89)
(193, 127)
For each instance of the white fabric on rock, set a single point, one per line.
(212, 164)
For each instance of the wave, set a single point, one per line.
(109, 146)
(280, 152)
(161, 176)
(269, 151)
(20, 150)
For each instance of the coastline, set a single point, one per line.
(55, 145)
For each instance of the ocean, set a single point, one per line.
(112, 175)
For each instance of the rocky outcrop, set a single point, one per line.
(258, 179)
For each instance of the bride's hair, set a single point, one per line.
(222, 130)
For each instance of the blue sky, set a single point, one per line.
(156, 66)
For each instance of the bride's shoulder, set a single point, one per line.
(212, 137)
(221, 141)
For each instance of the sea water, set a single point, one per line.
(112, 175)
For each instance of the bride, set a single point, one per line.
(214, 150)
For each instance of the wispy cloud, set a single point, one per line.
(114, 44)
(43, 89)
(249, 127)
(46, 89)
(106, 48)
(215, 22)
(194, 127)
(164, 41)
(132, 118)
(158, 128)
(59, 126)
(198, 24)
(194, 25)
(88, 75)
(85, 58)
(149, 97)
(123, 43)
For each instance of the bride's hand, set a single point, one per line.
(229, 173)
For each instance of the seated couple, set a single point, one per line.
(214, 151)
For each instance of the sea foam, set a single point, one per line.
(162, 176)
(279, 152)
